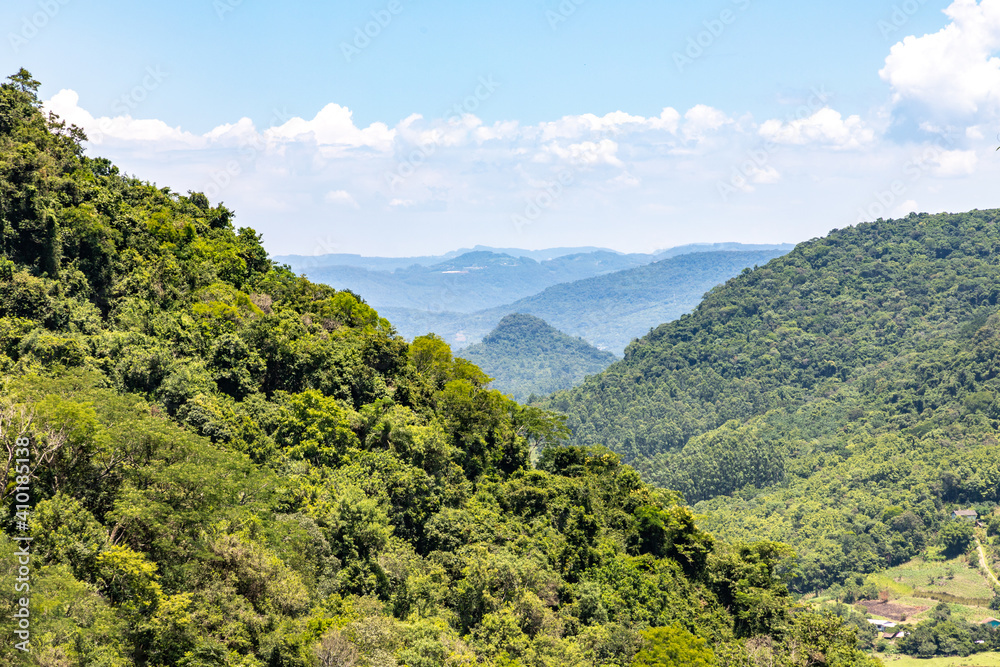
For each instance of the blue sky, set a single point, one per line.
(633, 125)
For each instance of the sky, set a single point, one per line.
(410, 127)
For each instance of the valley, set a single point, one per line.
(233, 464)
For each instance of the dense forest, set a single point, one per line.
(230, 465)
(842, 399)
(527, 357)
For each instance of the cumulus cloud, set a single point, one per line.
(66, 104)
(618, 122)
(586, 154)
(334, 126)
(825, 127)
(952, 72)
(702, 122)
(947, 164)
(462, 179)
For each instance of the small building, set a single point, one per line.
(992, 622)
(965, 515)
(881, 625)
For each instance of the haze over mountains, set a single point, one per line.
(605, 297)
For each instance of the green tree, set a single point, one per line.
(673, 646)
(955, 537)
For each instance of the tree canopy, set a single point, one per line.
(232, 465)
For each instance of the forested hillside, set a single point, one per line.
(608, 311)
(525, 356)
(842, 399)
(230, 465)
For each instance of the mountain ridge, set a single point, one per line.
(364, 261)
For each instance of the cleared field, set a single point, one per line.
(970, 613)
(978, 660)
(954, 581)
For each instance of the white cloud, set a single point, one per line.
(951, 72)
(701, 120)
(948, 164)
(587, 153)
(334, 126)
(974, 132)
(691, 174)
(342, 197)
(615, 123)
(508, 130)
(66, 104)
(826, 127)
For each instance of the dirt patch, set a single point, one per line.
(891, 610)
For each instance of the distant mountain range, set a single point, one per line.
(608, 311)
(302, 263)
(524, 355)
(469, 282)
(464, 295)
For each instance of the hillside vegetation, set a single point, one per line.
(525, 356)
(842, 399)
(231, 465)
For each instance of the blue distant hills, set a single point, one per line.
(606, 297)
